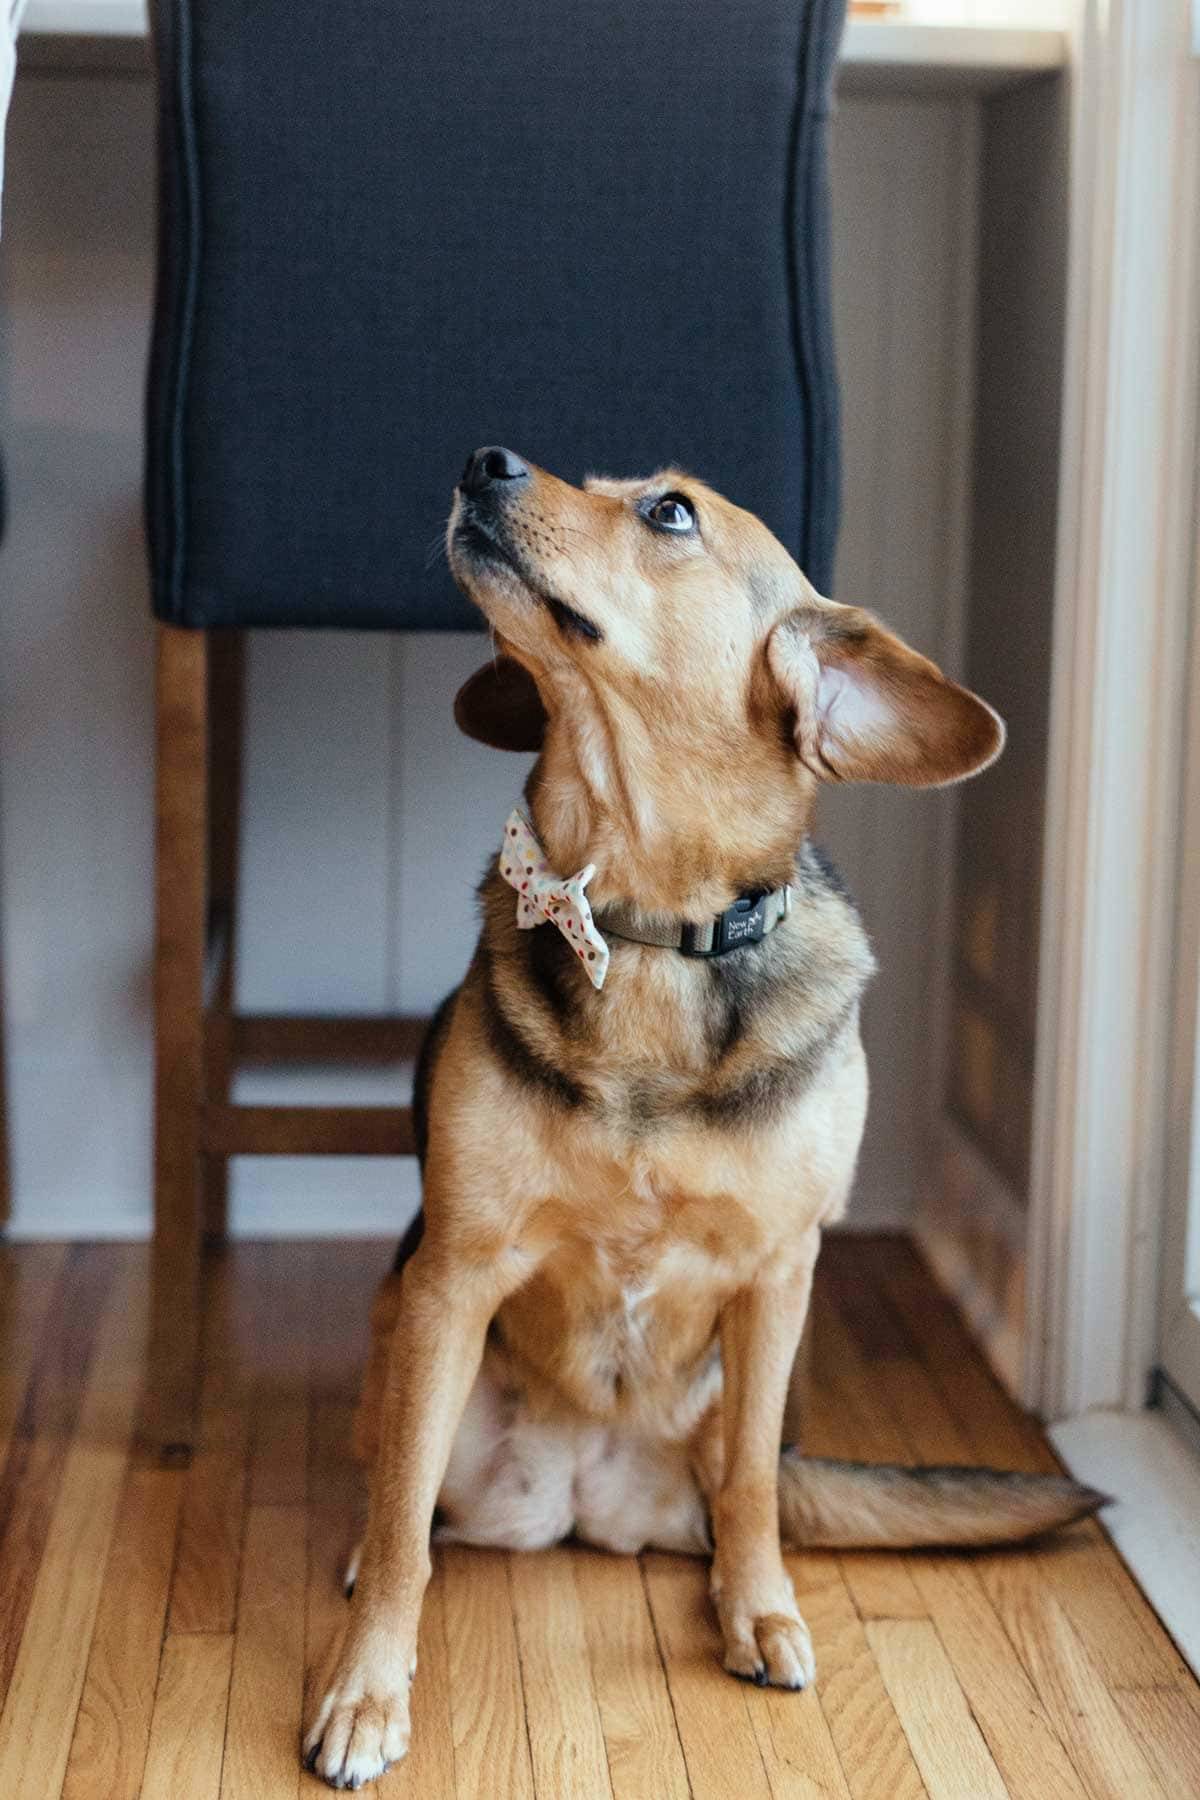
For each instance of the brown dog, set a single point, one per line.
(625, 1185)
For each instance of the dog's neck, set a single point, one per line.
(669, 838)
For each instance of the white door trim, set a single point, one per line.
(1127, 511)
(1178, 1334)
(1153, 1475)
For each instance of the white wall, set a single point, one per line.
(336, 912)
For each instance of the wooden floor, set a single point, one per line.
(155, 1624)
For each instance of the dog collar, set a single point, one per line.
(747, 921)
(544, 898)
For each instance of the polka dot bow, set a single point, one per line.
(544, 898)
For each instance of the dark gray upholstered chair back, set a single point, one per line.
(595, 230)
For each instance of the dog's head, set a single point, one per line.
(674, 663)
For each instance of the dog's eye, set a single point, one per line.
(672, 513)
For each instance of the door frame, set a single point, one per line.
(1177, 1340)
(1123, 603)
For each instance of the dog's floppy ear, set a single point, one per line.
(866, 707)
(500, 705)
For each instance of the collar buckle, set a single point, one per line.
(745, 922)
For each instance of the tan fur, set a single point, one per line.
(624, 1191)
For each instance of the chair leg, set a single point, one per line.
(226, 672)
(181, 829)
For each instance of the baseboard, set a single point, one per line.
(90, 1221)
(872, 1209)
(972, 1231)
(1153, 1475)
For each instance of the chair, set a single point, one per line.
(388, 234)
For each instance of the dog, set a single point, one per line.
(644, 1103)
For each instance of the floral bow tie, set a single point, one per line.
(544, 898)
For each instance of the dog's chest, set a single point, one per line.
(622, 1316)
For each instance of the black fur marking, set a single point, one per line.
(411, 1241)
(816, 869)
(427, 1057)
(518, 1056)
(552, 969)
(572, 623)
(762, 1094)
(734, 984)
(643, 1104)
(740, 981)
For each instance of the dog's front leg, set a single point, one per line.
(766, 1640)
(360, 1721)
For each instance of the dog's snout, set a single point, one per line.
(491, 464)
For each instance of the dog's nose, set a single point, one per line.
(491, 464)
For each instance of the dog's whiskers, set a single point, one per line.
(579, 532)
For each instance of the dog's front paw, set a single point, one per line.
(360, 1724)
(766, 1640)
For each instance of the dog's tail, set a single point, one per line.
(860, 1506)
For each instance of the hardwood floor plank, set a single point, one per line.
(39, 1714)
(565, 1738)
(345, 1277)
(851, 1417)
(205, 1584)
(720, 1747)
(575, 1674)
(491, 1745)
(1028, 1752)
(108, 1750)
(331, 1535)
(863, 1724)
(428, 1771)
(889, 1359)
(794, 1741)
(1118, 1627)
(1116, 1623)
(881, 1585)
(852, 1405)
(640, 1735)
(283, 1282)
(954, 1760)
(262, 1739)
(996, 1431)
(1165, 1724)
(1085, 1717)
(41, 1435)
(29, 1277)
(187, 1735)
